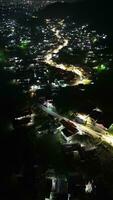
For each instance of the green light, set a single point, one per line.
(94, 39)
(24, 44)
(2, 57)
(101, 68)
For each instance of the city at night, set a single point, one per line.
(56, 103)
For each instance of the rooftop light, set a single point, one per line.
(101, 68)
(24, 44)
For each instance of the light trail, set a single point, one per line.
(82, 76)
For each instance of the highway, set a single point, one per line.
(102, 136)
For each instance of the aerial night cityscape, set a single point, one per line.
(56, 85)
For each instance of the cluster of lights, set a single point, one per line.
(56, 36)
(83, 78)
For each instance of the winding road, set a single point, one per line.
(81, 76)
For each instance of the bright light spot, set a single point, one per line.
(94, 39)
(34, 88)
(97, 109)
(86, 81)
(24, 44)
(108, 139)
(101, 68)
(82, 116)
(88, 187)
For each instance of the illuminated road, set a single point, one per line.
(102, 137)
(81, 77)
